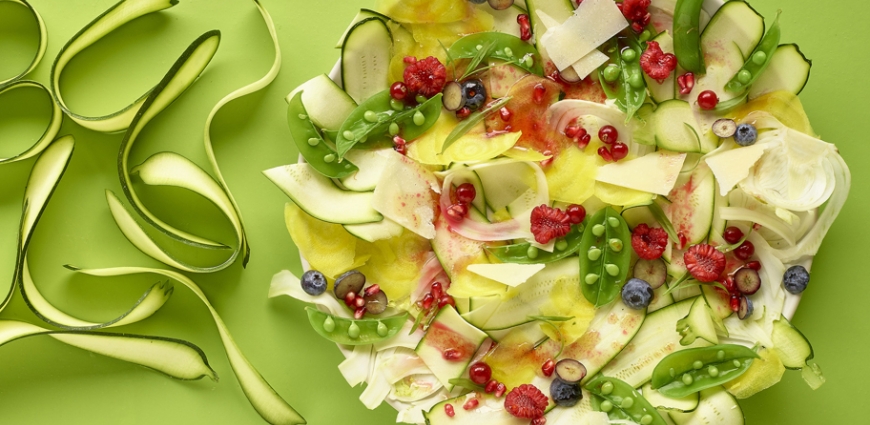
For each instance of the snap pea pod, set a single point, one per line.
(311, 145)
(525, 253)
(498, 45)
(354, 332)
(374, 117)
(689, 371)
(728, 105)
(758, 60)
(605, 256)
(622, 402)
(631, 91)
(687, 35)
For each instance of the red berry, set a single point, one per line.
(745, 251)
(619, 151)
(446, 300)
(548, 161)
(451, 354)
(425, 77)
(500, 389)
(540, 420)
(704, 262)
(549, 223)
(372, 290)
(636, 11)
(683, 239)
(525, 27)
(572, 131)
(538, 93)
(349, 299)
(649, 242)
(686, 82)
(604, 153)
(505, 114)
(471, 404)
(359, 302)
(734, 302)
(457, 212)
(729, 285)
(465, 193)
(437, 290)
(490, 386)
(448, 410)
(398, 90)
(402, 149)
(359, 312)
(656, 63)
(583, 141)
(732, 235)
(526, 401)
(608, 134)
(548, 367)
(754, 265)
(708, 100)
(576, 213)
(480, 373)
(427, 301)
(463, 112)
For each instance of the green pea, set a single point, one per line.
(611, 269)
(302, 116)
(644, 36)
(744, 76)
(371, 116)
(687, 379)
(508, 52)
(636, 80)
(532, 252)
(646, 420)
(419, 118)
(313, 141)
(720, 355)
(348, 135)
(494, 45)
(329, 324)
(479, 47)
(594, 254)
(598, 229)
(328, 158)
(525, 253)
(613, 221)
(307, 139)
(607, 388)
(529, 61)
(364, 139)
(672, 372)
(713, 371)
(561, 245)
(736, 363)
(382, 329)
(394, 129)
(591, 278)
(698, 365)
(611, 73)
(606, 406)
(627, 403)
(688, 371)
(396, 105)
(353, 331)
(629, 55)
(616, 244)
(759, 58)
(420, 98)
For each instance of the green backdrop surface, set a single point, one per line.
(42, 381)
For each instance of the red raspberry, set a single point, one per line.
(636, 11)
(656, 63)
(526, 401)
(549, 223)
(649, 243)
(425, 77)
(704, 262)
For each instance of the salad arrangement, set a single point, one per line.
(554, 212)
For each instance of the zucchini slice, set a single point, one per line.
(42, 43)
(788, 70)
(365, 59)
(50, 132)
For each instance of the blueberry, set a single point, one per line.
(796, 279)
(313, 282)
(637, 294)
(745, 135)
(565, 394)
(475, 94)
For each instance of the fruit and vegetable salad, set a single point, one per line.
(560, 212)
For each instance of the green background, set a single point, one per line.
(43, 381)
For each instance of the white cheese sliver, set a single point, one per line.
(654, 173)
(732, 166)
(589, 63)
(507, 273)
(593, 23)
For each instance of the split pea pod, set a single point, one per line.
(631, 92)
(689, 371)
(525, 253)
(354, 332)
(497, 45)
(687, 35)
(381, 116)
(758, 60)
(605, 256)
(311, 145)
(622, 402)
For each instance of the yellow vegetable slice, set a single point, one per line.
(571, 176)
(425, 11)
(475, 147)
(327, 247)
(765, 372)
(395, 264)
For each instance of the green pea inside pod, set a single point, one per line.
(603, 261)
(689, 371)
(622, 402)
(350, 331)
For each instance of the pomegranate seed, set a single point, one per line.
(448, 410)
(572, 131)
(732, 235)
(359, 312)
(402, 149)
(538, 94)
(446, 300)
(540, 420)
(604, 153)
(548, 161)
(372, 290)
(729, 285)
(583, 141)
(525, 27)
(708, 100)
(457, 211)
(756, 227)
(466, 193)
(399, 141)
(480, 373)
(687, 82)
(735, 302)
(745, 251)
(683, 240)
(490, 386)
(471, 404)
(500, 389)
(754, 265)
(505, 114)
(398, 90)
(619, 151)
(349, 299)
(428, 299)
(548, 367)
(410, 60)
(463, 113)
(451, 354)
(437, 290)
(576, 213)
(608, 134)
(359, 302)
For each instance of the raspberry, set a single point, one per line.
(649, 243)
(704, 262)
(526, 401)
(656, 63)
(549, 223)
(636, 11)
(425, 77)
